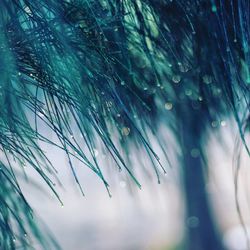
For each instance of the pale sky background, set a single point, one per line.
(147, 219)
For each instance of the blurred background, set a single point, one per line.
(152, 218)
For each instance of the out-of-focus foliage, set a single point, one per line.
(112, 69)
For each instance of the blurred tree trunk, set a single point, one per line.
(202, 231)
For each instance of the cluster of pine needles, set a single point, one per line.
(112, 70)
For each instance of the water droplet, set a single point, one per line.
(122, 83)
(188, 92)
(123, 184)
(90, 74)
(27, 10)
(96, 153)
(168, 105)
(193, 222)
(214, 124)
(216, 91)
(207, 79)
(200, 98)
(176, 78)
(195, 152)
(183, 68)
(214, 8)
(125, 131)
(41, 114)
(109, 104)
(223, 123)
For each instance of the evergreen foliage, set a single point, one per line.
(112, 67)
